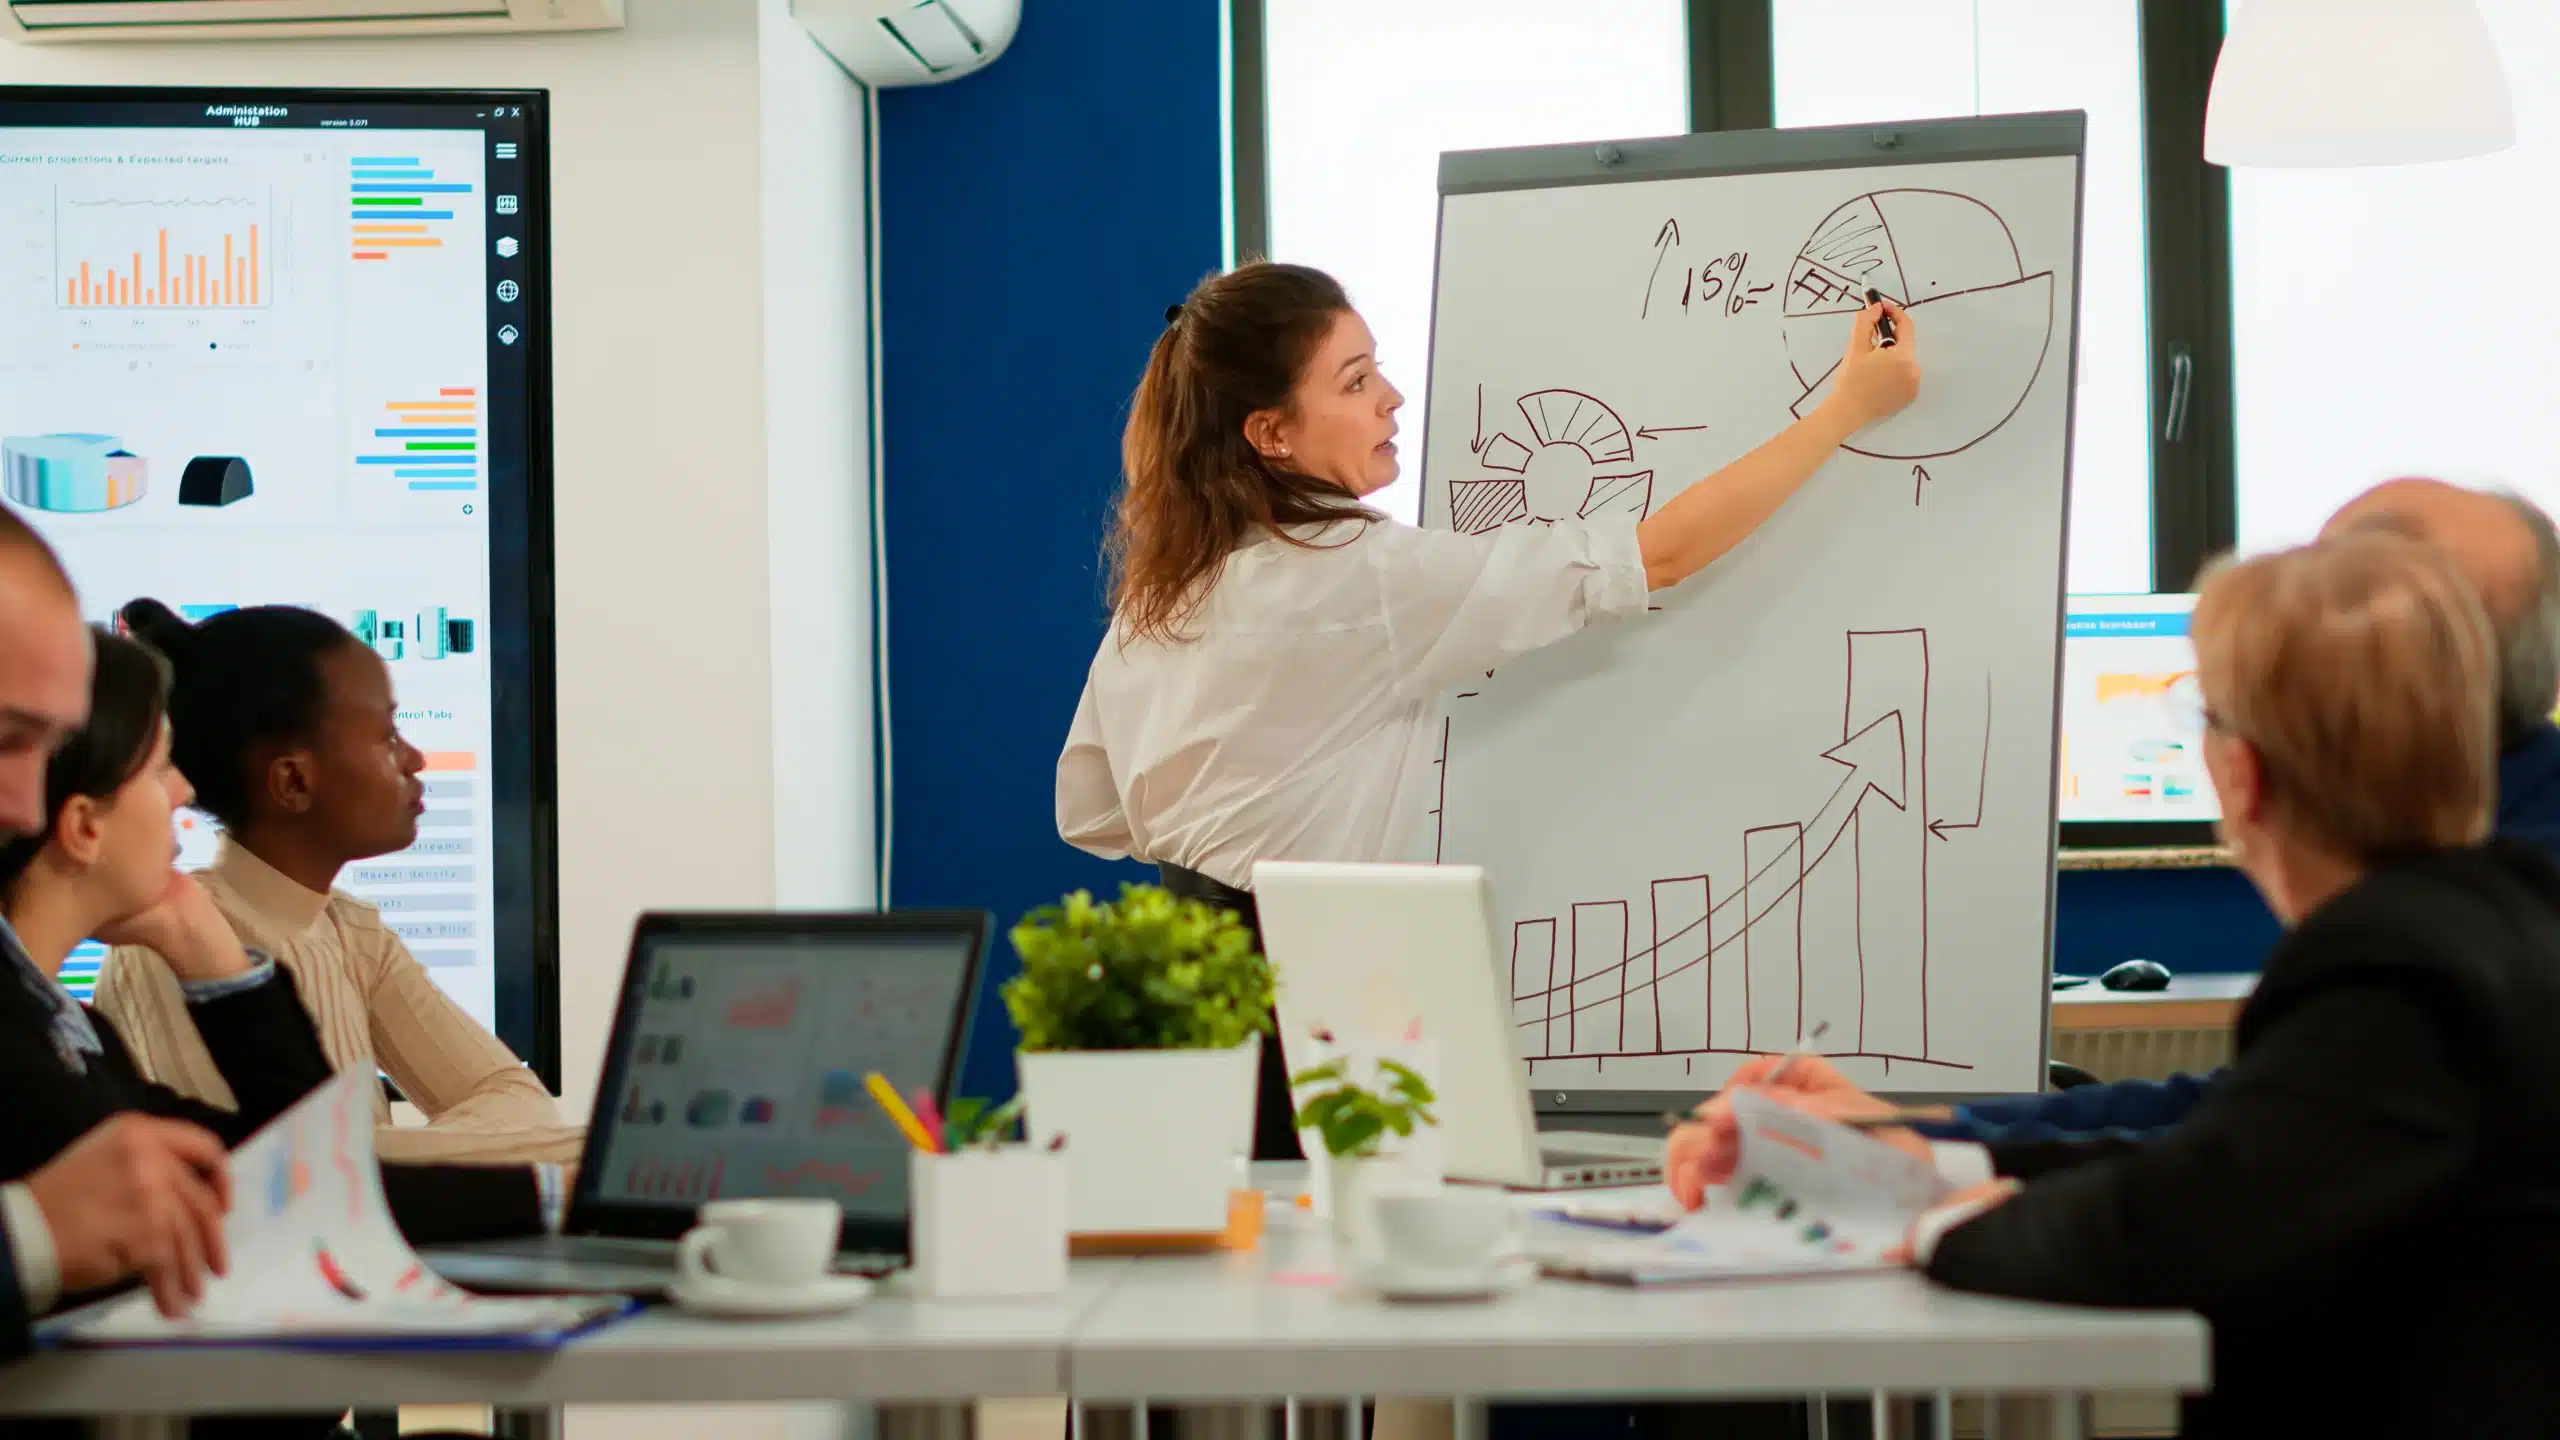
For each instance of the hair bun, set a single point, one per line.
(157, 626)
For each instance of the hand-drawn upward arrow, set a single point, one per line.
(1939, 828)
(1663, 240)
(1919, 477)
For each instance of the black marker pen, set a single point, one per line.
(1884, 323)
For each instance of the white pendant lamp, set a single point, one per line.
(2323, 83)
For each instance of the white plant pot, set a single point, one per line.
(1156, 1140)
(1351, 1183)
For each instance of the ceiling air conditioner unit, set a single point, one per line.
(60, 21)
(910, 42)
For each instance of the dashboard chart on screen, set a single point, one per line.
(2132, 718)
(290, 348)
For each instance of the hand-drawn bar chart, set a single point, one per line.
(1826, 919)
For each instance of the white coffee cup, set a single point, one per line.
(762, 1244)
(1454, 1231)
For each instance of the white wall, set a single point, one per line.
(675, 466)
(817, 374)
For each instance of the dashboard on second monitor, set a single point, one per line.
(2131, 766)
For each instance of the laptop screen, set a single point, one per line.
(2132, 718)
(742, 1065)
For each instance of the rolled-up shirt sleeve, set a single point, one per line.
(1090, 816)
(1458, 605)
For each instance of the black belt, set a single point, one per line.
(1275, 1135)
(1192, 885)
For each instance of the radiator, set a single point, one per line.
(2143, 1054)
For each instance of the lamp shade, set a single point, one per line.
(2318, 83)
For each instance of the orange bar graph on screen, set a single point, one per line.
(164, 273)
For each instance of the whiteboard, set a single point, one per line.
(1815, 783)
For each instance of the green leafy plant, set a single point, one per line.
(1144, 972)
(974, 1122)
(1353, 1119)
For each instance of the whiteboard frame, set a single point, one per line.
(2058, 134)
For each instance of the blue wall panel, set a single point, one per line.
(1036, 219)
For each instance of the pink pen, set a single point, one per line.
(929, 1116)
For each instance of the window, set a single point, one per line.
(1360, 98)
(1919, 59)
(1342, 107)
(2372, 331)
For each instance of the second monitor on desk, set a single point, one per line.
(2131, 759)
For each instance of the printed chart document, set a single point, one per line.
(316, 1259)
(1808, 1197)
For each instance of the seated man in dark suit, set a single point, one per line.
(135, 1195)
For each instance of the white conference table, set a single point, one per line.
(1200, 1331)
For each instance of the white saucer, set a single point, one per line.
(729, 1300)
(1417, 1282)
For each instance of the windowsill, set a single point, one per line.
(2195, 857)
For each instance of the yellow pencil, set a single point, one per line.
(897, 1111)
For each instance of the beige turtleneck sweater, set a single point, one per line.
(373, 1005)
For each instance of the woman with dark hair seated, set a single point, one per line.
(102, 868)
(286, 725)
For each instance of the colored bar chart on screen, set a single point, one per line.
(399, 205)
(429, 444)
(79, 973)
(176, 252)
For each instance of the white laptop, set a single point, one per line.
(1343, 936)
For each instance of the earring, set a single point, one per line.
(1284, 452)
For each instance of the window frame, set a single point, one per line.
(2186, 214)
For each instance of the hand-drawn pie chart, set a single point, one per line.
(1984, 323)
(1578, 461)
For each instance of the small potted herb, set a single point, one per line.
(1355, 1121)
(1141, 1022)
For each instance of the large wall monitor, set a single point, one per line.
(293, 347)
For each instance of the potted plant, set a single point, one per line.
(1141, 1023)
(1355, 1122)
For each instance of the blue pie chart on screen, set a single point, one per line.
(71, 474)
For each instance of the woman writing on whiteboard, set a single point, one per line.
(1270, 687)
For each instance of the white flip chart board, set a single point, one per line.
(1815, 785)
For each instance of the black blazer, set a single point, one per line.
(262, 1041)
(2368, 1209)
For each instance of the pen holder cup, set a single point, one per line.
(989, 1224)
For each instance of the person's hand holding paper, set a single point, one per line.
(1704, 1152)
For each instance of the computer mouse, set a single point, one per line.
(2136, 975)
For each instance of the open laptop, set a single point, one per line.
(1347, 938)
(735, 1070)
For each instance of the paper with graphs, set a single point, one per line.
(1809, 1196)
(314, 1253)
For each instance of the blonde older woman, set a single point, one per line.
(2368, 1209)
